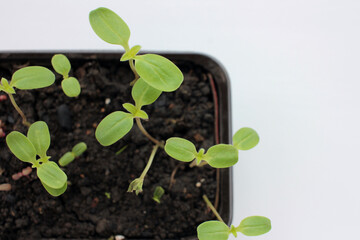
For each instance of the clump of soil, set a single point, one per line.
(96, 204)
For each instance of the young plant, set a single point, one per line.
(32, 149)
(70, 85)
(217, 156)
(158, 193)
(76, 151)
(154, 74)
(26, 78)
(218, 230)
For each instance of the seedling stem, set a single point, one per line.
(24, 120)
(143, 130)
(148, 165)
(209, 204)
(132, 66)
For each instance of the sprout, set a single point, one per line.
(218, 156)
(76, 151)
(27, 78)
(70, 85)
(35, 144)
(218, 230)
(158, 193)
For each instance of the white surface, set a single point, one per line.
(294, 69)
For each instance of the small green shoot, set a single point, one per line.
(218, 230)
(218, 156)
(70, 85)
(36, 143)
(76, 151)
(158, 193)
(121, 150)
(27, 78)
(107, 195)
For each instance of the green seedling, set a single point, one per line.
(153, 75)
(217, 156)
(158, 193)
(70, 85)
(27, 78)
(121, 150)
(107, 195)
(32, 149)
(218, 230)
(76, 151)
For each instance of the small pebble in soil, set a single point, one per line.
(198, 184)
(107, 101)
(64, 117)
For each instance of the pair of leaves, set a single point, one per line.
(76, 151)
(117, 124)
(218, 156)
(250, 226)
(37, 142)
(70, 85)
(155, 70)
(28, 78)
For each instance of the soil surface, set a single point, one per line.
(96, 204)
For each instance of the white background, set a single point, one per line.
(294, 70)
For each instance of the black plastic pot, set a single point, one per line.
(221, 93)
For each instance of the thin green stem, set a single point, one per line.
(17, 108)
(148, 165)
(143, 130)
(132, 66)
(209, 204)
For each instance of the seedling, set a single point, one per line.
(217, 156)
(154, 74)
(35, 144)
(70, 85)
(158, 193)
(76, 151)
(27, 78)
(218, 230)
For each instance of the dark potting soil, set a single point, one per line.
(96, 204)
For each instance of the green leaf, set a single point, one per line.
(113, 127)
(32, 78)
(245, 138)
(180, 149)
(21, 147)
(71, 87)
(55, 192)
(135, 111)
(158, 193)
(131, 108)
(79, 149)
(39, 136)
(110, 27)
(61, 64)
(221, 156)
(144, 94)
(6, 87)
(131, 53)
(213, 230)
(50, 174)
(159, 72)
(66, 159)
(254, 226)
